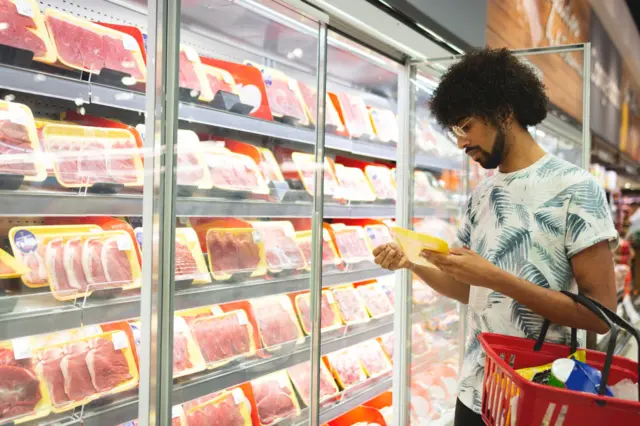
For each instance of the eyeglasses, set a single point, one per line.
(458, 131)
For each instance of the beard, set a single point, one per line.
(491, 160)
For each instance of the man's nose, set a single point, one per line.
(463, 142)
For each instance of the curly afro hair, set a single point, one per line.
(489, 84)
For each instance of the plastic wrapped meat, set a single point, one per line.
(352, 244)
(223, 337)
(78, 383)
(305, 164)
(382, 182)
(356, 116)
(354, 185)
(386, 342)
(301, 378)
(386, 124)
(226, 409)
(373, 359)
(329, 317)
(418, 340)
(329, 255)
(191, 75)
(274, 398)
(281, 250)
(378, 234)
(310, 97)
(186, 265)
(232, 251)
(284, 96)
(276, 320)
(351, 305)
(24, 29)
(219, 79)
(19, 144)
(346, 368)
(422, 293)
(19, 387)
(108, 366)
(377, 302)
(388, 285)
(235, 172)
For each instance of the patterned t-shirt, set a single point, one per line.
(529, 223)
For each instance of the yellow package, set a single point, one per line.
(274, 384)
(234, 251)
(277, 321)
(352, 307)
(531, 372)
(10, 267)
(234, 399)
(412, 243)
(331, 318)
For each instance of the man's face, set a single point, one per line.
(484, 143)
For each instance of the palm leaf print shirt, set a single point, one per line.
(529, 223)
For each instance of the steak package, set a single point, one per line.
(233, 172)
(306, 165)
(19, 144)
(24, 28)
(388, 284)
(10, 267)
(23, 394)
(376, 301)
(228, 408)
(277, 322)
(385, 124)
(386, 342)
(87, 46)
(275, 398)
(382, 182)
(281, 251)
(300, 376)
(354, 185)
(269, 166)
(352, 307)
(191, 74)
(330, 255)
(353, 244)
(234, 251)
(330, 311)
(75, 260)
(310, 98)
(346, 368)
(83, 155)
(79, 371)
(378, 234)
(373, 359)
(219, 79)
(356, 116)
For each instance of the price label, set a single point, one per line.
(256, 237)
(17, 114)
(330, 298)
(216, 310)
(176, 411)
(226, 77)
(284, 302)
(22, 348)
(120, 340)
(179, 325)
(282, 380)
(25, 8)
(292, 85)
(192, 56)
(129, 42)
(238, 396)
(242, 318)
(124, 243)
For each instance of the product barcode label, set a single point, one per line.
(17, 114)
(292, 85)
(120, 340)
(216, 310)
(226, 77)
(124, 243)
(176, 411)
(256, 237)
(22, 348)
(242, 318)
(191, 54)
(282, 380)
(129, 42)
(238, 396)
(179, 325)
(330, 298)
(25, 8)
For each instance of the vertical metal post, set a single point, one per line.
(317, 229)
(156, 340)
(462, 308)
(404, 213)
(586, 106)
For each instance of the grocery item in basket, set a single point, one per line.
(19, 143)
(301, 378)
(578, 376)
(310, 97)
(24, 28)
(353, 244)
(356, 116)
(373, 359)
(219, 79)
(306, 165)
(413, 243)
(354, 185)
(386, 124)
(351, 305)
(329, 253)
(228, 408)
(10, 267)
(87, 46)
(378, 234)
(233, 172)
(382, 182)
(233, 251)
(191, 74)
(274, 398)
(330, 312)
(346, 368)
(375, 299)
(276, 320)
(281, 250)
(541, 374)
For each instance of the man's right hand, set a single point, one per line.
(390, 256)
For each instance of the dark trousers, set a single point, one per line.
(466, 416)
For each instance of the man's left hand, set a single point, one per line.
(465, 265)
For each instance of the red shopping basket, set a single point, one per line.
(511, 400)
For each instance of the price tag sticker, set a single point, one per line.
(124, 243)
(179, 325)
(238, 396)
(292, 84)
(282, 380)
(256, 237)
(216, 310)
(25, 8)
(176, 411)
(22, 348)
(242, 318)
(191, 54)
(330, 298)
(129, 42)
(120, 340)
(226, 77)
(17, 114)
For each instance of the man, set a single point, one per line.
(538, 226)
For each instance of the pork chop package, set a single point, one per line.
(281, 250)
(374, 361)
(284, 96)
(375, 299)
(24, 28)
(192, 75)
(83, 156)
(354, 185)
(310, 98)
(219, 79)
(385, 124)
(330, 255)
(388, 284)
(226, 408)
(352, 307)
(275, 398)
(300, 376)
(346, 368)
(378, 234)
(24, 395)
(87, 46)
(353, 244)
(20, 152)
(269, 166)
(277, 322)
(10, 267)
(231, 172)
(382, 182)
(79, 371)
(356, 116)
(235, 252)
(330, 312)
(306, 166)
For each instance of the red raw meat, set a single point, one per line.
(185, 262)
(117, 267)
(118, 58)
(328, 256)
(274, 398)
(188, 77)
(36, 263)
(19, 391)
(16, 151)
(282, 252)
(121, 165)
(55, 264)
(328, 316)
(48, 367)
(73, 264)
(373, 359)
(235, 171)
(351, 305)
(283, 100)
(346, 366)
(77, 379)
(275, 323)
(220, 413)
(90, 47)
(108, 367)
(218, 84)
(232, 253)
(301, 377)
(222, 337)
(354, 117)
(64, 35)
(375, 299)
(189, 171)
(18, 30)
(92, 262)
(352, 246)
(181, 360)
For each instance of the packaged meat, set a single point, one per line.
(219, 79)
(386, 342)
(281, 251)
(83, 155)
(353, 244)
(376, 301)
(356, 116)
(20, 152)
(269, 166)
(378, 235)
(233, 172)
(354, 185)
(385, 125)
(373, 359)
(284, 96)
(419, 340)
(346, 368)
(228, 408)
(24, 28)
(388, 285)
(382, 182)
(329, 311)
(412, 244)
(86, 46)
(274, 398)
(234, 251)
(351, 305)
(310, 98)
(423, 294)
(306, 165)
(192, 75)
(427, 188)
(277, 322)
(300, 376)
(10, 267)
(329, 252)
(23, 394)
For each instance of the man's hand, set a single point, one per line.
(465, 265)
(390, 256)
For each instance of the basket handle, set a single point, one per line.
(589, 304)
